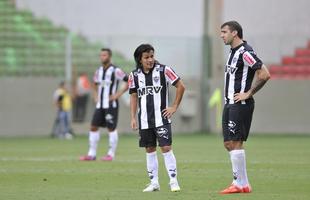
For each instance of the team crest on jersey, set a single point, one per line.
(137, 72)
(160, 69)
(156, 79)
(235, 60)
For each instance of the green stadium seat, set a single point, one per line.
(39, 46)
(10, 58)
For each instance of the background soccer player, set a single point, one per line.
(106, 81)
(148, 86)
(241, 67)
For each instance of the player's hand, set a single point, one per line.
(113, 97)
(242, 96)
(168, 112)
(95, 99)
(133, 124)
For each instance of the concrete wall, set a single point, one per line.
(280, 107)
(174, 27)
(26, 108)
(97, 18)
(275, 28)
(283, 106)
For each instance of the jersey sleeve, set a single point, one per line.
(56, 96)
(121, 75)
(250, 58)
(131, 84)
(96, 77)
(171, 76)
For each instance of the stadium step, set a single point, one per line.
(296, 60)
(302, 52)
(290, 71)
(39, 45)
(293, 67)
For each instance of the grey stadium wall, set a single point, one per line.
(27, 108)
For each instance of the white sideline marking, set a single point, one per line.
(36, 159)
(60, 159)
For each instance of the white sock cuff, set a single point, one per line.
(236, 152)
(168, 153)
(151, 154)
(94, 135)
(113, 135)
(113, 132)
(94, 132)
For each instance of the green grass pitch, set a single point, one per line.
(44, 169)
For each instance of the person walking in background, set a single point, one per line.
(241, 67)
(63, 103)
(81, 91)
(106, 81)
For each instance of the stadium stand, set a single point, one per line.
(293, 67)
(31, 46)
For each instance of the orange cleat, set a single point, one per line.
(232, 189)
(247, 189)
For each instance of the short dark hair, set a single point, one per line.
(234, 26)
(107, 50)
(140, 50)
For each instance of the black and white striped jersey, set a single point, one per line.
(107, 81)
(240, 69)
(152, 91)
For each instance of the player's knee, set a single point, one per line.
(150, 149)
(111, 129)
(228, 145)
(237, 145)
(165, 149)
(94, 128)
(233, 145)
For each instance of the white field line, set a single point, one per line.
(61, 159)
(204, 161)
(51, 159)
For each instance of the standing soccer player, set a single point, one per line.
(148, 87)
(106, 81)
(241, 67)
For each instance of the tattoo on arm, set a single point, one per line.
(258, 85)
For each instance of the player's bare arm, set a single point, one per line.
(118, 94)
(95, 92)
(133, 110)
(169, 111)
(262, 76)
